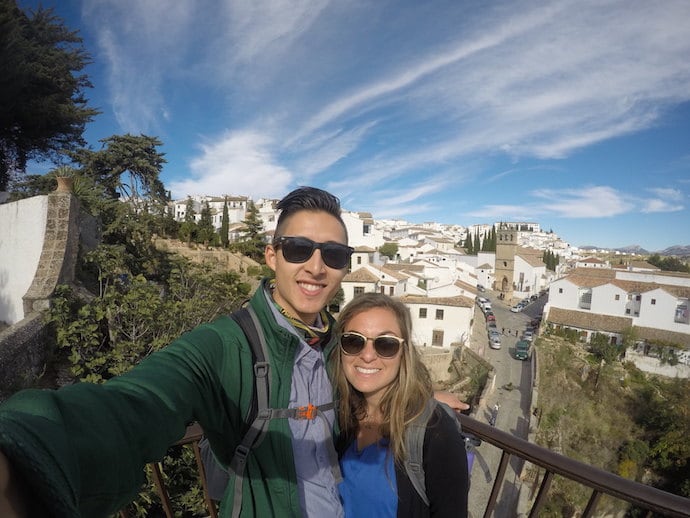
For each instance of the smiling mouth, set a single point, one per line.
(310, 287)
(366, 371)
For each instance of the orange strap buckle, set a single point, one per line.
(307, 412)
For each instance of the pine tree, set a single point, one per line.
(188, 227)
(252, 243)
(225, 226)
(205, 229)
(468, 244)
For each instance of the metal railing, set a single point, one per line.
(599, 481)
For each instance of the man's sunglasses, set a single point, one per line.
(386, 346)
(300, 249)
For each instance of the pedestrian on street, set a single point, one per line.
(494, 415)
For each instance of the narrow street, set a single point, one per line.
(512, 392)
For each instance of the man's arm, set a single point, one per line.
(12, 502)
(451, 400)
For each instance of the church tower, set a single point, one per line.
(506, 246)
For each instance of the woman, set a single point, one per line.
(381, 386)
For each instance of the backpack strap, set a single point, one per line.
(414, 444)
(247, 320)
(260, 414)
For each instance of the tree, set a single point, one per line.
(205, 229)
(468, 244)
(252, 243)
(669, 264)
(477, 245)
(389, 249)
(188, 229)
(43, 110)
(603, 349)
(225, 226)
(127, 166)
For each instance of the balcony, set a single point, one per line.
(516, 452)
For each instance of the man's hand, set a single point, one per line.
(451, 400)
(12, 504)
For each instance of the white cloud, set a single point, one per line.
(657, 205)
(268, 26)
(322, 153)
(668, 193)
(588, 202)
(237, 163)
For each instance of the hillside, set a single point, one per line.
(609, 416)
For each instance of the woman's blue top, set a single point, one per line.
(369, 486)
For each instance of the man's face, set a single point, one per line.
(304, 289)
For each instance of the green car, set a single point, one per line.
(522, 350)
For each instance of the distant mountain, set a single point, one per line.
(676, 250)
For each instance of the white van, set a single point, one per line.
(486, 306)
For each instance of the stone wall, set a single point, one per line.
(437, 362)
(25, 346)
(23, 353)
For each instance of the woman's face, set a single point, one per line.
(368, 372)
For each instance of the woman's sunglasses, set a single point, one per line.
(386, 346)
(300, 249)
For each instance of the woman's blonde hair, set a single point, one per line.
(405, 397)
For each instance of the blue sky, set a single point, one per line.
(574, 114)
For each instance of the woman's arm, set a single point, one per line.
(445, 467)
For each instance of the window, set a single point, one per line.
(638, 298)
(422, 312)
(390, 291)
(359, 259)
(383, 290)
(617, 297)
(359, 290)
(560, 290)
(653, 302)
(439, 314)
(437, 338)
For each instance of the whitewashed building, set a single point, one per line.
(440, 321)
(609, 301)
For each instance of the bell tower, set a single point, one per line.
(506, 246)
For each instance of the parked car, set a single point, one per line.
(480, 288)
(535, 322)
(490, 317)
(491, 324)
(495, 341)
(533, 298)
(528, 335)
(516, 308)
(522, 350)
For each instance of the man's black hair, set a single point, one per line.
(307, 198)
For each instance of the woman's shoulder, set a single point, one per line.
(443, 421)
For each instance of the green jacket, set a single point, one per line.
(82, 448)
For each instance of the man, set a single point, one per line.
(81, 449)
